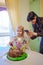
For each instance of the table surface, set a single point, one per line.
(34, 58)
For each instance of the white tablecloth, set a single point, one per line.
(34, 58)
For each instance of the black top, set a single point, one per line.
(38, 27)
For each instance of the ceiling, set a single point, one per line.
(2, 2)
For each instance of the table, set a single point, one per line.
(34, 58)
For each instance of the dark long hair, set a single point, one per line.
(31, 16)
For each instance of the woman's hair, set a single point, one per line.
(31, 16)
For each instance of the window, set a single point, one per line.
(6, 30)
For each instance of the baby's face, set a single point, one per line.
(19, 32)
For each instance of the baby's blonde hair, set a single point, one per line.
(21, 27)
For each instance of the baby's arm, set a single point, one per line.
(27, 39)
(12, 41)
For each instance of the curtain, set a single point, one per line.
(12, 6)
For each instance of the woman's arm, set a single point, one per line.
(39, 34)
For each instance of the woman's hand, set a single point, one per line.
(30, 33)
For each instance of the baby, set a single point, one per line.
(18, 43)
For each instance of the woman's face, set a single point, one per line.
(34, 20)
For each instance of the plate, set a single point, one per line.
(22, 57)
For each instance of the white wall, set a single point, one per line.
(41, 8)
(23, 11)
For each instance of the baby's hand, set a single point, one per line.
(10, 43)
(23, 48)
(14, 47)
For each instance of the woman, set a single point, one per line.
(37, 23)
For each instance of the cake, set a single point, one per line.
(15, 52)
